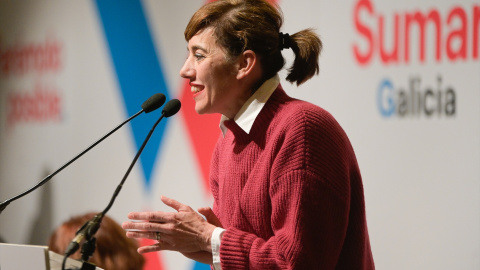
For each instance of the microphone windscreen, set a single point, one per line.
(171, 108)
(153, 103)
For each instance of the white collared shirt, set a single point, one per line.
(248, 113)
(244, 118)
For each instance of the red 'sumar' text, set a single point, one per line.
(455, 34)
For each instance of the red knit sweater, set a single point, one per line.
(289, 194)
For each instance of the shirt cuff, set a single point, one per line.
(216, 241)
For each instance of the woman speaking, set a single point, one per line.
(287, 189)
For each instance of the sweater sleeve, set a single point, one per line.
(309, 195)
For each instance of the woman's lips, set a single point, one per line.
(196, 90)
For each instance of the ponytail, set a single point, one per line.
(307, 47)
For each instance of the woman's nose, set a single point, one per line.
(186, 71)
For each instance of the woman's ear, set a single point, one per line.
(247, 64)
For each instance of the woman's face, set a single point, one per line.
(213, 81)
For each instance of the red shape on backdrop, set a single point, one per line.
(152, 259)
(203, 132)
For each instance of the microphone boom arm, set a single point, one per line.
(5, 203)
(171, 108)
(140, 150)
(151, 104)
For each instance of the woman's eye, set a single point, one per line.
(199, 56)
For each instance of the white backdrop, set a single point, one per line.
(414, 121)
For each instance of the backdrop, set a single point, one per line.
(401, 77)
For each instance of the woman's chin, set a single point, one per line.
(200, 109)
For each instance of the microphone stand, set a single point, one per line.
(90, 228)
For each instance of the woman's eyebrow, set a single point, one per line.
(197, 47)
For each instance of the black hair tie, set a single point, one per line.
(285, 41)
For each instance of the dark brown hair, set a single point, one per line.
(240, 25)
(114, 250)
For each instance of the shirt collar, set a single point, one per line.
(248, 113)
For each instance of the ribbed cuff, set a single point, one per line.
(235, 248)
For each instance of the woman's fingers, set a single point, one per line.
(184, 230)
(143, 226)
(176, 205)
(162, 238)
(158, 216)
(207, 212)
(151, 248)
(149, 235)
(161, 245)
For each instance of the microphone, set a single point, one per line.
(171, 108)
(154, 102)
(151, 104)
(90, 228)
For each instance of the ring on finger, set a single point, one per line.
(157, 236)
